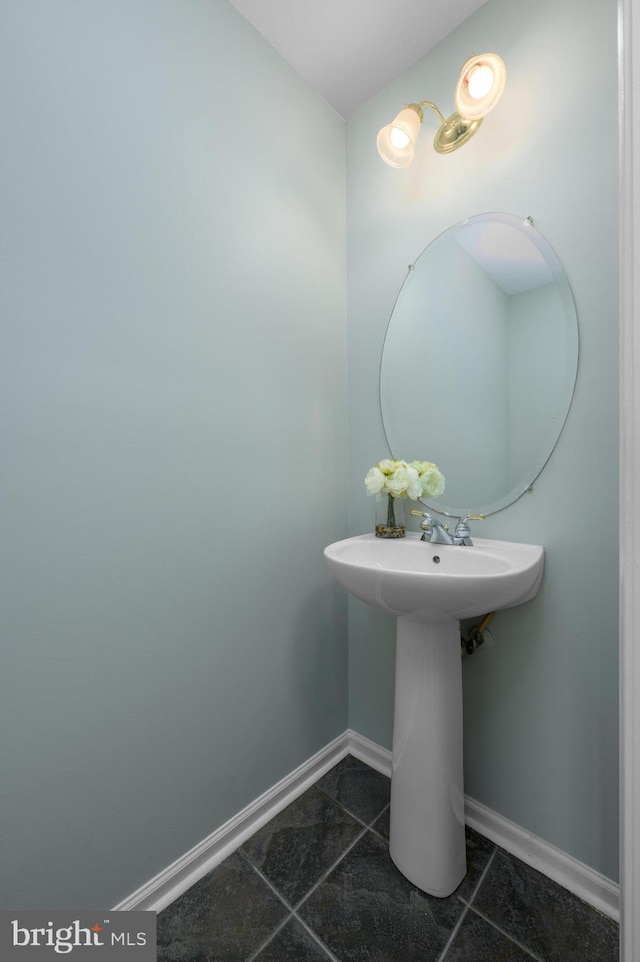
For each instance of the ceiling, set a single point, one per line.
(349, 49)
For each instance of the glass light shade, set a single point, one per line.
(397, 141)
(480, 85)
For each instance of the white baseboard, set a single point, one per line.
(173, 881)
(367, 751)
(593, 888)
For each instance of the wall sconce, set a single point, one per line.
(478, 90)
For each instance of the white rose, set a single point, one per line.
(422, 466)
(432, 482)
(374, 481)
(404, 482)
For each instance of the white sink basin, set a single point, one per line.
(436, 582)
(429, 587)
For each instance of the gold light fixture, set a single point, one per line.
(478, 90)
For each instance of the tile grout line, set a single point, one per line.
(316, 938)
(281, 898)
(454, 931)
(484, 874)
(328, 872)
(270, 938)
(293, 911)
(471, 907)
(366, 827)
(467, 905)
(375, 831)
(269, 884)
(521, 945)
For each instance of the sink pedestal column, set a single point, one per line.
(427, 838)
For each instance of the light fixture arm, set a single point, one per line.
(429, 103)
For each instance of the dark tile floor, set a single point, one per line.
(317, 884)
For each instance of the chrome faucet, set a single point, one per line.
(437, 533)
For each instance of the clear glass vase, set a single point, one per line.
(390, 517)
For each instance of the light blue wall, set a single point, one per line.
(541, 707)
(173, 435)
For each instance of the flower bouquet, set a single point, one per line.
(397, 480)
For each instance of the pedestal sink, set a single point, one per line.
(429, 588)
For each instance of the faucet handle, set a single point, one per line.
(427, 523)
(462, 527)
(427, 520)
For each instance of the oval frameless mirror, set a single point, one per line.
(480, 360)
